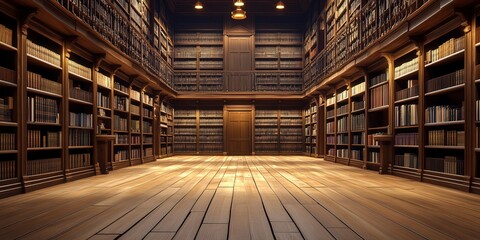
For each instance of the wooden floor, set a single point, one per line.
(244, 197)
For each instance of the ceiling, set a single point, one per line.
(221, 7)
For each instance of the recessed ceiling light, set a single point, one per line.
(198, 5)
(280, 5)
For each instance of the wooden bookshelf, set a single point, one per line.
(166, 129)
(311, 130)
(121, 110)
(46, 110)
(476, 65)
(147, 125)
(10, 121)
(210, 130)
(357, 121)
(185, 130)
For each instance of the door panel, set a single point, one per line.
(239, 133)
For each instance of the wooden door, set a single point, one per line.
(239, 64)
(239, 132)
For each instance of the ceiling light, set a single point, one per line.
(198, 5)
(239, 14)
(239, 3)
(280, 5)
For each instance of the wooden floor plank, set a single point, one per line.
(241, 197)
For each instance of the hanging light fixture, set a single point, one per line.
(198, 5)
(280, 5)
(239, 14)
(239, 3)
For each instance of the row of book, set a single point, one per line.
(331, 152)
(79, 160)
(266, 147)
(330, 140)
(358, 138)
(41, 109)
(43, 53)
(79, 69)
(81, 119)
(209, 147)
(359, 88)
(103, 100)
(148, 151)
(294, 138)
(185, 113)
(330, 100)
(358, 122)
(136, 153)
(379, 96)
(211, 121)
(383, 77)
(120, 124)
(291, 131)
(211, 138)
(342, 95)
(330, 127)
(185, 131)
(448, 164)
(290, 121)
(120, 155)
(44, 139)
(185, 121)
(446, 137)
(409, 160)
(147, 127)
(147, 113)
(103, 80)
(358, 105)
(330, 113)
(146, 99)
(8, 75)
(7, 141)
(211, 131)
(342, 139)
(342, 124)
(406, 115)
(135, 109)
(278, 38)
(8, 169)
(6, 108)
(373, 157)
(79, 137)
(39, 166)
(135, 95)
(445, 49)
(166, 150)
(342, 153)
(265, 121)
(135, 126)
(6, 35)
(120, 87)
(445, 81)
(121, 138)
(406, 138)
(342, 109)
(370, 139)
(36, 81)
(136, 139)
(444, 113)
(147, 139)
(185, 147)
(406, 67)
(78, 93)
(410, 91)
(357, 154)
(120, 103)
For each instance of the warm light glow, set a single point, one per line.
(239, 3)
(280, 5)
(239, 14)
(198, 5)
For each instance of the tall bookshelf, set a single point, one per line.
(476, 164)
(444, 93)
(147, 125)
(210, 131)
(166, 129)
(311, 128)
(378, 104)
(330, 130)
(278, 58)
(406, 113)
(185, 130)
(105, 116)
(291, 137)
(135, 123)
(121, 110)
(81, 125)
(341, 124)
(357, 121)
(266, 130)
(9, 98)
(198, 60)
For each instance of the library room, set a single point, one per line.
(239, 119)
